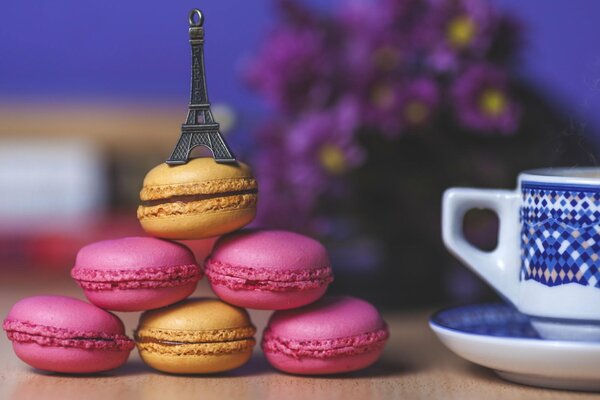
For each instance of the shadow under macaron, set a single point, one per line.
(130, 368)
(257, 365)
(382, 368)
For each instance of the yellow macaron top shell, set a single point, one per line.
(199, 176)
(196, 315)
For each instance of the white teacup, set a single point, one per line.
(547, 262)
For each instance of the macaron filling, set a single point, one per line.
(180, 343)
(215, 186)
(142, 278)
(198, 197)
(47, 336)
(325, 348)
(267, 279)
(214, 205)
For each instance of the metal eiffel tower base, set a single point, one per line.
(203, 135)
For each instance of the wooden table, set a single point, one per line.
(414, 366)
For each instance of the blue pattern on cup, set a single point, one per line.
(560, 234)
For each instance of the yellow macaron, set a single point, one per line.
(197, 200)
(195, 336)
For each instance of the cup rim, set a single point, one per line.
(568, 175)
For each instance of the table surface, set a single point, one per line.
(414, 365)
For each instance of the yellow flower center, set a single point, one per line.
(461, 31)
(383, 96)
(492, 102)
(332, 159)
(386, 58)
(415, 112)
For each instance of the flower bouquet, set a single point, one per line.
(377, 107)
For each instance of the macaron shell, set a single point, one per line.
(264, 300)
(197, 364)
(69, 360)
(201, 225)
(196, 170)
(132, 253)
(65, 313)
(273, 249)
(331, 317)
(139, 299)
(196, 315)
(312, 366)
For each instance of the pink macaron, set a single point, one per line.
(333, 335)
(136, 274)
(268, 270)
(63, 334)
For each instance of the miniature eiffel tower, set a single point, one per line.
(200, 128)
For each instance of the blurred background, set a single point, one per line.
(355, 114)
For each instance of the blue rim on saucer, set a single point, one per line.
(491, 319)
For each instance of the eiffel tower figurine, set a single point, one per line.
(200, 128)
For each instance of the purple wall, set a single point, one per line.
(135, 49)
(563, 52)
(125, 49)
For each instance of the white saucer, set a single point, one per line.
(498, 337)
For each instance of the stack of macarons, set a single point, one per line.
(288, 272)
(258, 269)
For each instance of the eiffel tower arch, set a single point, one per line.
(200, 127)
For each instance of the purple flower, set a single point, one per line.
(394, 108)
(299, 163)
(482, 100)
(375, 46)
(457, 30)
(419, 102)
(322, 145)
(293, 69)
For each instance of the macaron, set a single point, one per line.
(67, 335)
(197, 200)
(196, 336)
(268, 270)
(334, 335)
(136, 273)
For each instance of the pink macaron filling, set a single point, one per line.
(27, 332)
(326, 348)
(238, 277)
(141, 278)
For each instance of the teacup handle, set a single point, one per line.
(500, 267)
